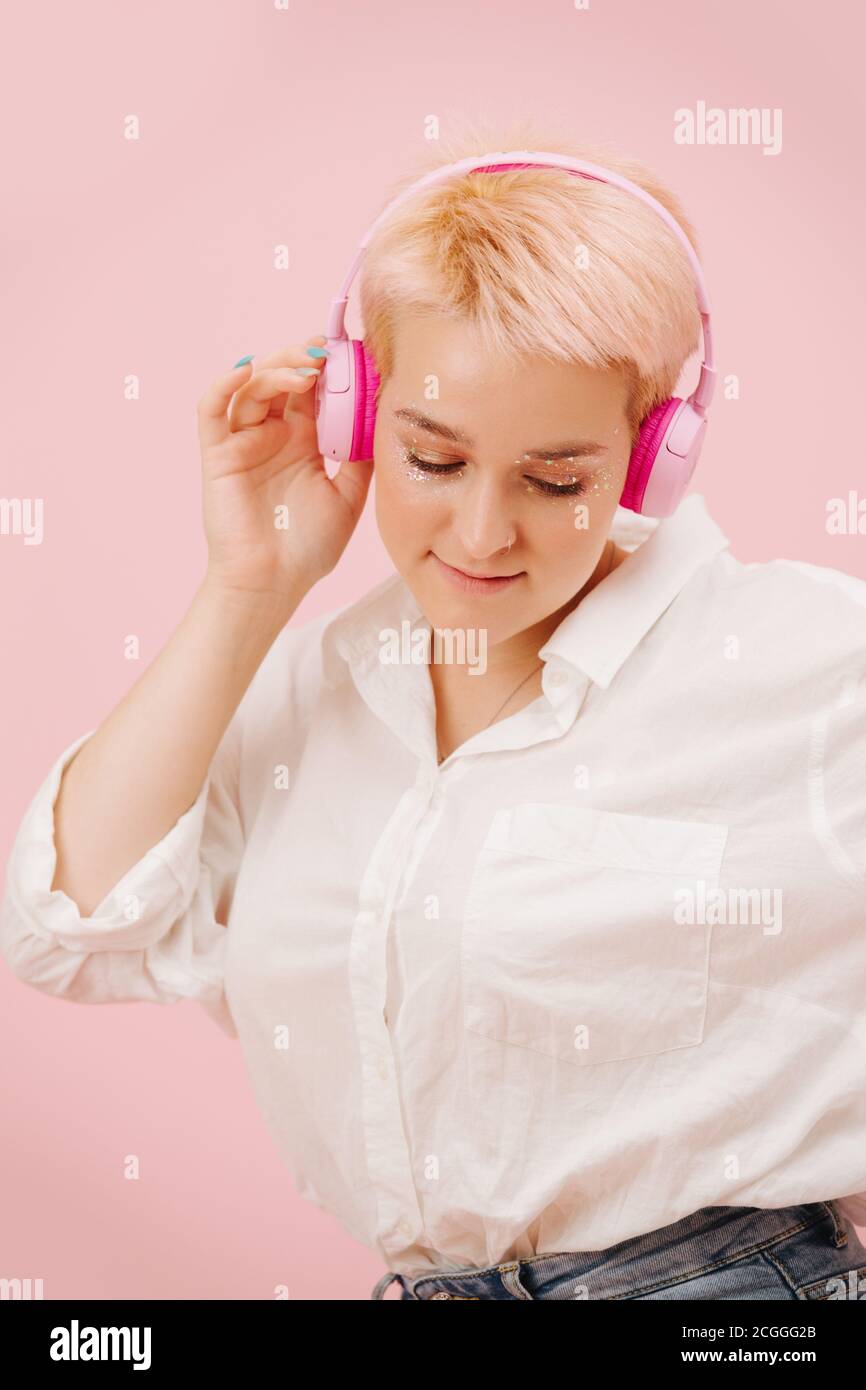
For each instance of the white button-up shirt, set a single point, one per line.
(602, 967)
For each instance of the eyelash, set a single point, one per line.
(549, 489)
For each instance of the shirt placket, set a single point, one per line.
(387, 1149)
(400, 1221)
(388, 1155)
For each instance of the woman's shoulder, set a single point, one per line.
(792, 611)
(792, 582)
(819, 582)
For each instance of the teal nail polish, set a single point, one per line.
(317, 352)
(307, 371)
(244, 360)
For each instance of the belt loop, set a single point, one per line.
(840, 1234)
(383, 1283)
(510, 1276)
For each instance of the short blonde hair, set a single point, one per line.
(501, 250)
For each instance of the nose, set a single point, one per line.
(484, 523)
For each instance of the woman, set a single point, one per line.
(542, 862)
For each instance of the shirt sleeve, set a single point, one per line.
(158, 935)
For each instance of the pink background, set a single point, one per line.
(155, 257)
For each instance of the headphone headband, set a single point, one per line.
(542, 159)
(664, 454)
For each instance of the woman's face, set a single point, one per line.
(472, 451)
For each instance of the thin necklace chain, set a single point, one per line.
(440, 757)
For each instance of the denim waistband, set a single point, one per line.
(696, 1244)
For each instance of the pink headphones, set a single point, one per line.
(666, 451)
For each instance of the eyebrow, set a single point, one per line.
(578, 448)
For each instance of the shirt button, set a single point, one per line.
(559, 677)
(404, 1227)
(382, 1068)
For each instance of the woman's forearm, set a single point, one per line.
(146, 763)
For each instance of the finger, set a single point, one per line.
(252, 404)
(213, 407)
(295, 355)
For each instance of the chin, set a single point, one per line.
(474, 617)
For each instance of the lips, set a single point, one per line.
(472, 583)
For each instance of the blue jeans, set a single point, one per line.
(805, 1252)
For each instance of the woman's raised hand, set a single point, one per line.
(275, 522)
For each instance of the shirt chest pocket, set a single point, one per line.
(577, 940)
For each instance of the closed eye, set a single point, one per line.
(569, 489)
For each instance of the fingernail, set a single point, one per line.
(244, 360)
(317, 352)
(307, 371)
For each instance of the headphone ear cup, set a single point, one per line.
(645, 452)
(664, 458)
(366, 384)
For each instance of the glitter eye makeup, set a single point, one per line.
(598, 479)
(562, 484)
(434, 477)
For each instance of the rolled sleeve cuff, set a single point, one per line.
(139, 908)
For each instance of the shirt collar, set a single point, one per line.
(597, 636)
(606, 627)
